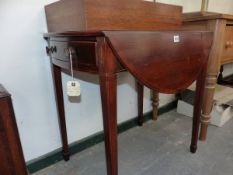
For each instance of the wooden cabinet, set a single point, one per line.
(221, 53)
(11, 155)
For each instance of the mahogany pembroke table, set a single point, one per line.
(110, 36)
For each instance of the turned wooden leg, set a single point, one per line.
(207, 105)
(140, 89)
(61, 112)
(214, 62)
(108, 96)
(155, 104)
(197, 110)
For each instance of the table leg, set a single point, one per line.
(214, 62)
(108, 91)
(155, 105)
(61, 112)
(140, 89)
(108, 88)
(197, 110)
(207, 105)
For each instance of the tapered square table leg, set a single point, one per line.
(61, 111)
(108, 85)
(197, 109)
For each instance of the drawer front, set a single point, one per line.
(83, 52)
(227, 54)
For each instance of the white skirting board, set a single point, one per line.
(222, 108)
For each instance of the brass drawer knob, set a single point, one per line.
(229, 44)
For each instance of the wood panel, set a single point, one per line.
(11, 156)
(65, 15)
(130, 15)
(86, 15)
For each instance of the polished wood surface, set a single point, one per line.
(222, 53)
(151, 65)
(89, 15)
(11, 155)
(115, 49)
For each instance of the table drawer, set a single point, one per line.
(83, 52)
(227, 54)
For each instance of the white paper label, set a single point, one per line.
(176, 39)
(73, 88)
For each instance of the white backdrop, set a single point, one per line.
(25, 72)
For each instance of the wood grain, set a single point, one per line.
(89, 15)
(160, 57)
(11, 155)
